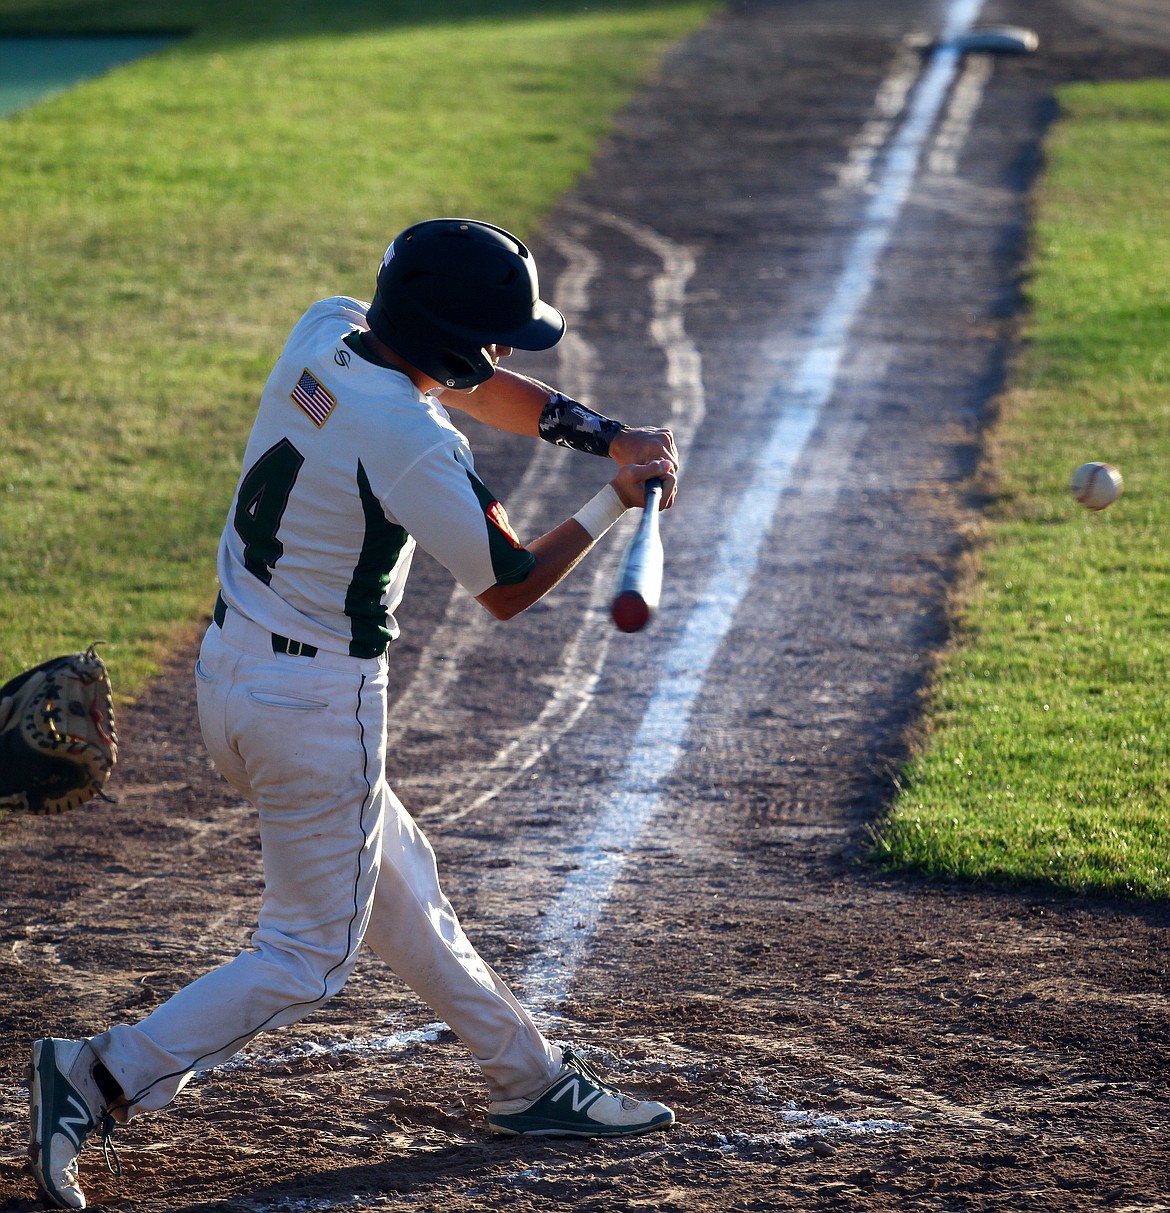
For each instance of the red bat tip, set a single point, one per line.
(630, 612)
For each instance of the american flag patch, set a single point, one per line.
(313, 398)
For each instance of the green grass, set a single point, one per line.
(164, 225)
(1046, 756)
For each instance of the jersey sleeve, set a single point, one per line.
(452, 515)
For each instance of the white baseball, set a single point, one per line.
(1096, 485)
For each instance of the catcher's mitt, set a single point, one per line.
(57, 739)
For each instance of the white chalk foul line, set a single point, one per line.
(865, 148)
(569, 923)
(391, 1043)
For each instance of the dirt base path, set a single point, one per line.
(830, 1038)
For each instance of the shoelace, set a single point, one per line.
(106, 1128)
(570, 1057)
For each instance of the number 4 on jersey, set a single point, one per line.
(260, 505)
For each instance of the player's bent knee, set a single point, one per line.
(306, 977)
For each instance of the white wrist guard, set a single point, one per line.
(600, 512)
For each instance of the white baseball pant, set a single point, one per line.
(304, 739)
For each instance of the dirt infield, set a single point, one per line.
(829, 1037)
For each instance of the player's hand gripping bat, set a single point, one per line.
(639, 580)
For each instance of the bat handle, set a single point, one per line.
(653, 493)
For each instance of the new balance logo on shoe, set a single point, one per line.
(581, 1094)
(578, 1103)
(75, 1127)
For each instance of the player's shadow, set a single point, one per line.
(427, 1178)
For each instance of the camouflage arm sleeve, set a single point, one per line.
(566, 422)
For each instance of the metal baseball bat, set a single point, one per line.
(638, 587)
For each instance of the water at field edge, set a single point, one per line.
(33, 68)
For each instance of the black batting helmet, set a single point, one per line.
(448, 288)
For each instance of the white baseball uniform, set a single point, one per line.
(346, 469)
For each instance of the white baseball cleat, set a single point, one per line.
(66, 1106)
(578, 1104)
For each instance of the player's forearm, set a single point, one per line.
(507, 401)
(518, 404)
(557, 553)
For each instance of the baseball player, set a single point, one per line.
(353, 461)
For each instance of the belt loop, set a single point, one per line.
(294, 648)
